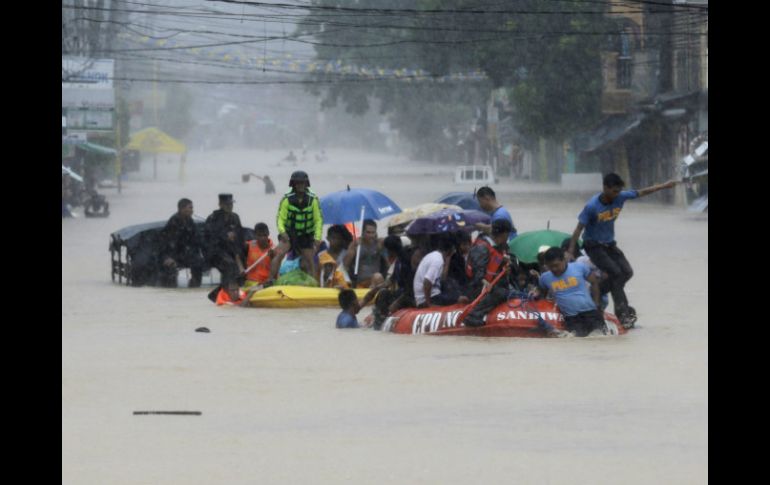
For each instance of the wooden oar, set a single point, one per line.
(478, 299)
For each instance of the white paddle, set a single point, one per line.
(361, 235)
(254, 265)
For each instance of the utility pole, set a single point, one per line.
(109, 42)
(118, 144)
(155, 110)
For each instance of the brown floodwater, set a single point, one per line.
(287, 398)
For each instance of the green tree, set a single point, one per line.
(390, 39)
(547, 53)
(550, 60)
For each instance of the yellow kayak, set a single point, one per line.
(298, 297)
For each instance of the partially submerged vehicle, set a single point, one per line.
(135, 254)
(465, 200)
(475, 174)
(517, 317)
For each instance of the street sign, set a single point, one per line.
(90, 119)
(74, 138)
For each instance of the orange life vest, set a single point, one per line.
(351, 227)
(494, 265)
(261, 272)
(223, 298)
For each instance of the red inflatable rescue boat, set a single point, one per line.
(513, 318)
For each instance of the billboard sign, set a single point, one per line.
(87, 83)
(81, 72)
(90, 119)
(75, 138)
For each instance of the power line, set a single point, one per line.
(280, 82)
(397, 12)
(612, 31)
(296, 38)
(367, 10)
(310, 21)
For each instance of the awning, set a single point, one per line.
(99, 149)
(673, 99)
(152, 140)
(611, 129)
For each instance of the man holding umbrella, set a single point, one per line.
(300, 221)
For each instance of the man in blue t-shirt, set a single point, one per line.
(567, 282)
(490, 205)
(350, 307)
(598, 220)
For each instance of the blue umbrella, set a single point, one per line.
(447, 220)
(345, 206)
(466, 200)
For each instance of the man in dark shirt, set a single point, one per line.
(224, 242)
(401, 282)
(459, 260)
(180, 246)
(487, 258)
(398, 289)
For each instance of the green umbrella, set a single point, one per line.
(526, 245)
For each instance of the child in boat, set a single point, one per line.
(260, 252)
(528, 281)
(350, 307)
(330, 261)
(331, 276)
(284, 260)
(398, 290)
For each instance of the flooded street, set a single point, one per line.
(287, 398)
